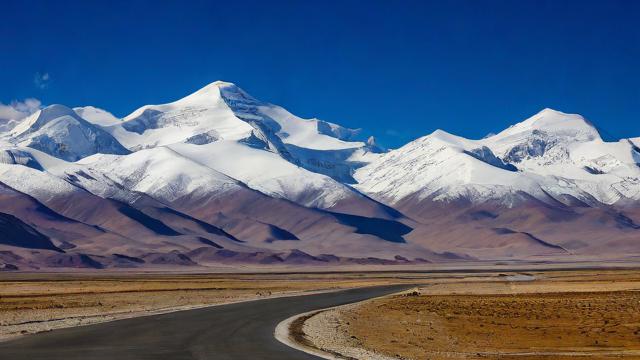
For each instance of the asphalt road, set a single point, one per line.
(236, 331)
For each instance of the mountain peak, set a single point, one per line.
(216, 86)
(550, 111)
(548, 118)
(54, 111)
(447, 137)
(97, 116)
(553, 122)
(214, 91)
(57, 110)
(222, 83)
(59, 131)
(42, 117)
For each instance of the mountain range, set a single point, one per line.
(219, 178)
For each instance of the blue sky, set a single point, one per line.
(398, 69)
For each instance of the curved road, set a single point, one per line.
(236, 331)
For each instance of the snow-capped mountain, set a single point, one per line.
(266, 141)
(549, 182)
(61, 132)
(96, 116)
(548, 156)
(219, 177)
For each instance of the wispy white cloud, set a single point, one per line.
(11, 114)
(41, 80)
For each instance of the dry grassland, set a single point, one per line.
(552, 315)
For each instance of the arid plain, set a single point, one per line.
(533, 315)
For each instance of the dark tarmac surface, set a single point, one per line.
(236, 331)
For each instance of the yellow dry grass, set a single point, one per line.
(560, 315)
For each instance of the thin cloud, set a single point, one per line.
(41, 80)
(11, 114)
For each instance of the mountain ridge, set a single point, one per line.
(181, 175)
